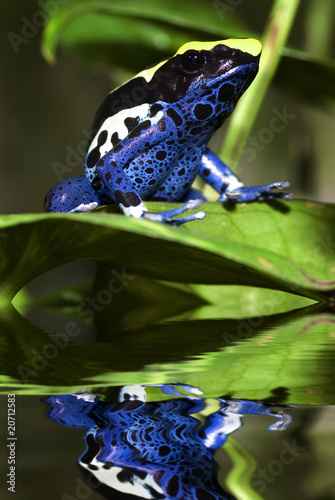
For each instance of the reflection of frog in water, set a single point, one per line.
(157, 450)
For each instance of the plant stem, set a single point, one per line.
(275, 35)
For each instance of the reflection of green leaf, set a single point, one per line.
(243, 302)
(289, 357)
(143, 301)
(254, 245)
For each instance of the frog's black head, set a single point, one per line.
(229, 63)
(214, 75)
(210, 73)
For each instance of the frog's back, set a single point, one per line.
(122, 110)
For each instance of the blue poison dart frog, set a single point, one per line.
(150, 135)
(158, 449)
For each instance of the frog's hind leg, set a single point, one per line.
(75, 194)
(218, 175)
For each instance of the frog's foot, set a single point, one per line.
(84, 207)
(245, 194)
(284, 420)
(167, 217)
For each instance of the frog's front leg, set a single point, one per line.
(218, 175)
(110, 170)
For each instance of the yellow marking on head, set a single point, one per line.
(147, 74)
(249, 45)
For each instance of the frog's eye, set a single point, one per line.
(193, 59)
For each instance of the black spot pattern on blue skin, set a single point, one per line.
(175, 117)
(172, 488)
(160, 155)
(128, 199)
(203, 111)
(118, 148)
(226, 92)
(161, 125)
(164, 450)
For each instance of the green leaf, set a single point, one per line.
(287, 358)
(286, 246)
(205, 19)
(132, 35)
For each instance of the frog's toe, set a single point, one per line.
(168, 216)
(84, 207)
(246, 194)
